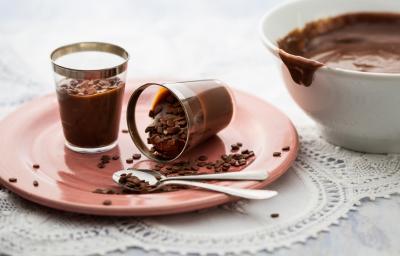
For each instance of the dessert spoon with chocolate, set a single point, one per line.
(145, 181)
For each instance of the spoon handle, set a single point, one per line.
(239, 192)
(241, 175)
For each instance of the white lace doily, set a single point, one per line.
(324, 184)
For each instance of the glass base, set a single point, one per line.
(90, 150)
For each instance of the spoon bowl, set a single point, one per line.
(150, 176)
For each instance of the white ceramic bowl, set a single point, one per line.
(356, 110)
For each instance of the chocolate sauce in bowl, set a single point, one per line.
(366, 42)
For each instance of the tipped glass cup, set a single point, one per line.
(90, 82)
(208, 107)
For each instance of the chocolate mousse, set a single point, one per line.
(90, 111)
(366, 42)
(168, 132)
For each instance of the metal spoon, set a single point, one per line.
(158, 180)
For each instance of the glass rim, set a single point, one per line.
(92, 73)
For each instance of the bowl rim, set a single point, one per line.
(275, 49)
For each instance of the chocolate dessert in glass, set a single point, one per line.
(90, 82)
(181, 115)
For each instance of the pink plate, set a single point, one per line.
(33, 135)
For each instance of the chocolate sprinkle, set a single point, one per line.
(136, 156)
(276, 154)
(234, 147)
(202, 158)
(107, 202)
(105, 157)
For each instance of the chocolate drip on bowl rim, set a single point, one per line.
(301, 69)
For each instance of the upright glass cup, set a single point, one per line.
(90, 99)
(208, 106)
